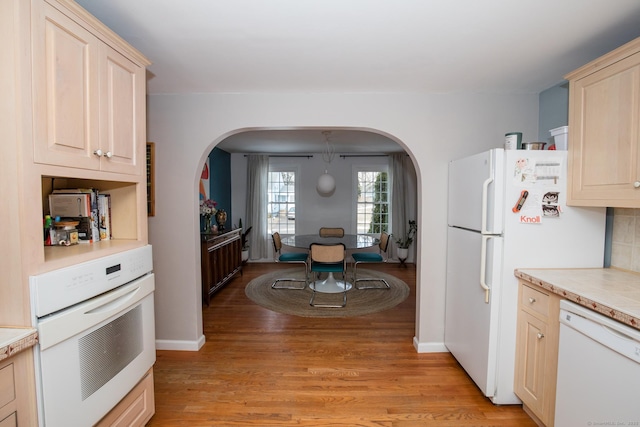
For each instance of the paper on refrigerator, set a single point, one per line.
(540, 178)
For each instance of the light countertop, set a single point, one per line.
(609, 291)
(13, 340)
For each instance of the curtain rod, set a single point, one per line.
(308, 156)
(364, 155)
(344, 156)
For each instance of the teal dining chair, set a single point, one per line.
(328, 258)
(371, 257)
(289, 257)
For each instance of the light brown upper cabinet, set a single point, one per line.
(89, 98)
(604, 130)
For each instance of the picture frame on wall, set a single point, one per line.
(151, 191)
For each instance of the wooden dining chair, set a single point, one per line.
(328, 259)
(369, 257)
(331, 232)
(290, 257)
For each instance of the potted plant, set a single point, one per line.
(405, 241)
(244, 242)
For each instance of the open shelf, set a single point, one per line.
(128, 230)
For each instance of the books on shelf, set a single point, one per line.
(104, 215)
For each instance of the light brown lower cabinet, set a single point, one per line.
(538, 331)
(17, 391)
(136, 409)
(7, 392)
(10, 421)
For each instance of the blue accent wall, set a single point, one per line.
(220, 181)
(554, 110)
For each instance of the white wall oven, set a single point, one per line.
(96, 330)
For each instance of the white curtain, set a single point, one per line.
(397, 173)
(257, 183)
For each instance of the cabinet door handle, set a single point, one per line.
(540, 335)
(531, 300)
(98, 152)
(108, 154)
(636, 184)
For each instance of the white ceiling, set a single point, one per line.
(366, 46)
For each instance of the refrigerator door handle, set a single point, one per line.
(485, 197)
(483, 268)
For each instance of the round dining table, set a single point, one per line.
(351, 241)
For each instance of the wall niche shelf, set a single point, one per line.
(126, 225)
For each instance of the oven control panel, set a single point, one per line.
(58, 289)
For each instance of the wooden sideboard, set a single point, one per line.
(221, 260)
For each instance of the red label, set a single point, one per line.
(530, 219)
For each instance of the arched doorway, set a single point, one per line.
(296, 146)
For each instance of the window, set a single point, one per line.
(281, 204)
(372, 206)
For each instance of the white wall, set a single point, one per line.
(432, 128)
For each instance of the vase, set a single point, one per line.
(206, 226)
(403, 253)
(221, 219)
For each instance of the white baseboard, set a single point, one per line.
(429, 347)
(180, 345)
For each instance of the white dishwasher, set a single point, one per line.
(598, 370)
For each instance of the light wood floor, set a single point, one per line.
(261, 368)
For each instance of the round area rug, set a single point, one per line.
(296, 302)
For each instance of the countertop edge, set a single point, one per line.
(582, 300)
(19, 339)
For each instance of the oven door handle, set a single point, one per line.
(86, 315)
(115, 305)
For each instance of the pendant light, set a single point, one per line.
(326, 183)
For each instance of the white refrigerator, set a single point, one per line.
(507, 210)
